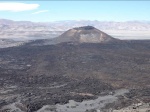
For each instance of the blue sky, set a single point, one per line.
(46, 11)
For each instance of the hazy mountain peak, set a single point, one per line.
(85, 34)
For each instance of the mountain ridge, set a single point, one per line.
(65, 25)
(85, 34)
(26, 30)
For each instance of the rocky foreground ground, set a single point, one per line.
(36, 77)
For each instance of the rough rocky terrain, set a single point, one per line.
(33, 76)
(4, 43)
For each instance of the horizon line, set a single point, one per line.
(75, 20)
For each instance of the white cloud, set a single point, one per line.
(42, 11)
(16, 7)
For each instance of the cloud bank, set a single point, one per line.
(42, 11)
(17, 7)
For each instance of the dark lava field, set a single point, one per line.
(54, 74)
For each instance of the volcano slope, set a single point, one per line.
(50, 74)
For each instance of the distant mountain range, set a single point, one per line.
(24, 29)
(65, 25)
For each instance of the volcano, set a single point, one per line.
(85, 34)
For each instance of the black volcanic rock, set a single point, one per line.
(85, 28)
(47, 75)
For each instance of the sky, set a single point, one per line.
(47, 11)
